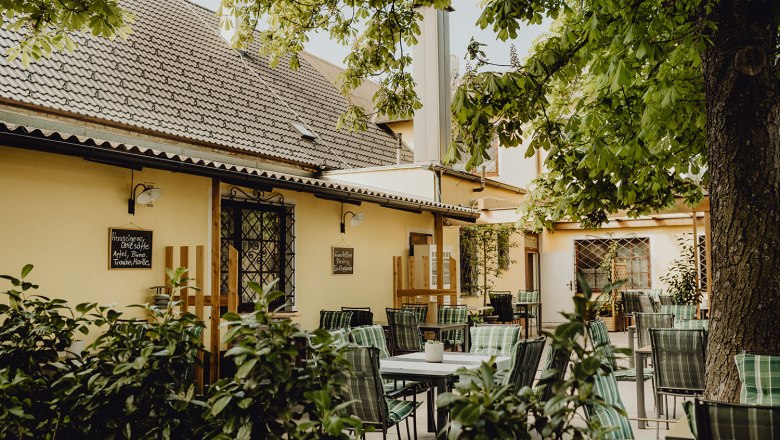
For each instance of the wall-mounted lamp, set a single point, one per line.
(357, 219)
(149, 194)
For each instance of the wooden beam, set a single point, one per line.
(216, 234)
(200, 255)
(232, 294)
(397, 275)
(637, 223)
(200, 273)
(429, 292)
(438, 232)
(184, 261)
(168, 265)
(453, 280)
(410, 280)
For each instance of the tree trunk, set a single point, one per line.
(743, 140)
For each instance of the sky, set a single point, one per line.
(463, 18)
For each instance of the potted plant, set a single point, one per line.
(489, 317)
(177, 279)
(681, 276)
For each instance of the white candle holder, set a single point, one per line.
(434, 351)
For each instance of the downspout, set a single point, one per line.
(398, 149)
(437, 177)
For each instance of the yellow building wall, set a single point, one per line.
(404, 128)
(513, 279)
(557, 266)
(56, 214)
(384, 234)
(459, 191)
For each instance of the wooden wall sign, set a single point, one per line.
(129, 248)
(343, 260)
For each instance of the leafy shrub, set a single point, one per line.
(681, 277)
(284, 385)
(34, 330)
(136, 380)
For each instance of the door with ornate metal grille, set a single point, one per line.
(262, 235)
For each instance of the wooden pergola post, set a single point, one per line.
(216, 233)
(438, 232)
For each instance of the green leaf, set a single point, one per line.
(26, 270)
(220, 404)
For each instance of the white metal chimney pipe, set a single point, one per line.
(431, 73)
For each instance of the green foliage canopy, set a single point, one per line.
(614, 93)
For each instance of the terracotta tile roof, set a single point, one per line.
(100, 150)
(176, 76)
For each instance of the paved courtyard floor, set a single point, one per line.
(627, 393)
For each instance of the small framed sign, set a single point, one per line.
(129, 248)
(343, 260)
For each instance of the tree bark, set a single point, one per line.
(743, 141)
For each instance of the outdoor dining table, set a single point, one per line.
(438, 328)
(413, 367)
(526, 306)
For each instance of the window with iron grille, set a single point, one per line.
(633, 252)
(263, 235)
(702, 263)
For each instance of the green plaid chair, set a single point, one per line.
(420, 309)
(646, 321)
(525, 363)
(760, 377)
(371, 336)
(678, 361)
(404, 331)
(633, 302)
(600, 338)
(453, 315)
(364, 388)
(681, 312)
(502, 305)
(494, 339)
(693, 324)
(334, 319)
(609, 415)
(730, 421)
(360, 316)
(528, 296)
(553, 371)
(374, 336)
(340, 336)
(665, 300)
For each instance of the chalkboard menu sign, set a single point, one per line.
(343, 260)
(129, 248)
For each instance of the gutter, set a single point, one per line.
(39, 111)
(93, 152)
(468, 176)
